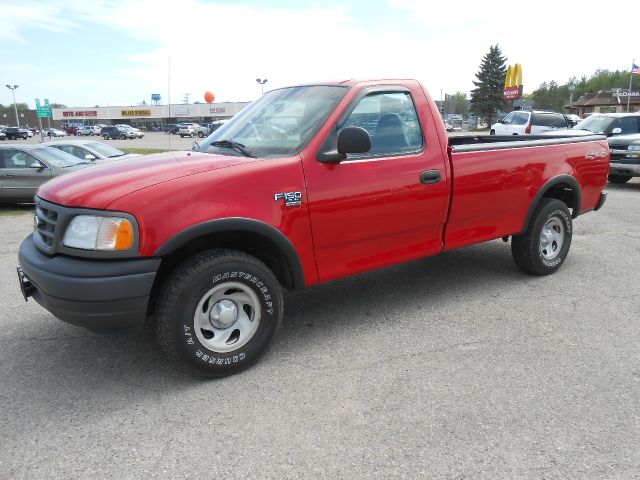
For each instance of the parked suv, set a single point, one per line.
(72, 129)
(90, 130)
(13, 133)
(625, 158)
(116, 132)
(534, 123)
(193, 129)
(609, 124)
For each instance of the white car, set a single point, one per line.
(522, 122)
(54, 132)
(90, 150)
(137, 133)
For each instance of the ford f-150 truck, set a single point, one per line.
(306, 185)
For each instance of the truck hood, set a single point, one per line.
(624, 140)
(99, 186)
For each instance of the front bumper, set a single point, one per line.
(623, 164)
(96, 294)
(632, 169)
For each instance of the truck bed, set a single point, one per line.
(496, 180)
(470, 143)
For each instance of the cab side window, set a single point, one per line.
(392, 122)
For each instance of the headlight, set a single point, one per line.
(634, 148)
(89, 232)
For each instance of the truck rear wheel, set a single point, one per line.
(218, 312)
(544, 246)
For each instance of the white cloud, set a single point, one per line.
(16, 18)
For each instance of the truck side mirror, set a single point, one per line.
(353, 140)
(616, 131)
(37, 165)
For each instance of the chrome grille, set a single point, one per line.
(45, 223)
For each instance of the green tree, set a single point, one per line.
(486, 98)
(9, 107)
(551, 96)
(460, 99)
(58, 105)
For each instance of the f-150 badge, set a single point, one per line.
(291, 199)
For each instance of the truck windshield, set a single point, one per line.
(595, 124)
(280, 123)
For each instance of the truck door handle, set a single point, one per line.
(430, 176)
(8, 176)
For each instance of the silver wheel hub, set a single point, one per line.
(223, 314)
(551, 238)
(227, 317)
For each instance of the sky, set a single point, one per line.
(116, 52)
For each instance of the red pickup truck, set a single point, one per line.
(305, 185)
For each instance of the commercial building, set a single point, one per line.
(149, 116)
(606, 101)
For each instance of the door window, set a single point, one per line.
(628, 125)
(508, 119)
(520, 118)
(11, 158)
(391, 121)
(73, 150)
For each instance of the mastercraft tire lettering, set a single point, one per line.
(218, 312)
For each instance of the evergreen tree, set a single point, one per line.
(486, 98)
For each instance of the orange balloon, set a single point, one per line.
(209, 97)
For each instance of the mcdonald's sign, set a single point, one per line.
(513, 83)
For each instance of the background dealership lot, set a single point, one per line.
(457, 366)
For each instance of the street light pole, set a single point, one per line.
(15, 106)
(261, 82)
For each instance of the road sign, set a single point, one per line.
(43, 110)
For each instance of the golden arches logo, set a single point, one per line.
(513, 82)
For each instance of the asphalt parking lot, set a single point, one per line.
(452, 367)
(150, 140)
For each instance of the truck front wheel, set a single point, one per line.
(218, 312)
(544, 246)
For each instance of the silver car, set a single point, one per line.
(90, 150)
(23, 168)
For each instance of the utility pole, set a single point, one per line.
(630, 83)
(15, 106)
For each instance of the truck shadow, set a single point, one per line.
(631, 185)
(114, 371)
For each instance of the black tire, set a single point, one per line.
(123, 136)
(526, 248)
(492, 132)
(200, 134)
(188, 284)
(106, 137)
(619, 178)
(181, 136)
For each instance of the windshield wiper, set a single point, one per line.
(232, 145)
